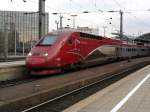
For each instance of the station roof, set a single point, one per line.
(144, 38)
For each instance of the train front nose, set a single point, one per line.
(37, 60)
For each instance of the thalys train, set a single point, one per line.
(62, 50)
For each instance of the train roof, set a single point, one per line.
(69, 31)
(83, 35)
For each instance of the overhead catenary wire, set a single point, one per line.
(130, 12)
(68, 13)
(118, 4)
(96, 11)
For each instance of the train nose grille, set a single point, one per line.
(36, 54)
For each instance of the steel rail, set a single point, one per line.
(61, 96)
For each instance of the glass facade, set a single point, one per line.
(21, 31)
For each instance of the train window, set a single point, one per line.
(48, 40)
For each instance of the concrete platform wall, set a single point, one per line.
(12, 70)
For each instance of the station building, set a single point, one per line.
(89, 30)
(19, 31)
(86, 29)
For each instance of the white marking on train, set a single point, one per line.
(76, 54)
(123, 101)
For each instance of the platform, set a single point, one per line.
(130, 94)
(12, 64)
(12, 70)
(32, 93)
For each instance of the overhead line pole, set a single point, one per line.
(61, 17)
(41, 18)
(121, 24)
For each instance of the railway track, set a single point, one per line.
(8, 83)
(60, 103)
(55, 86)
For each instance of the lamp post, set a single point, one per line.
(57, 23)
(74, 20)
(121, 22)
(60, 19)
(104, 27)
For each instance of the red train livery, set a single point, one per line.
(62, 50)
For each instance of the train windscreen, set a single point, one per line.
(48, 40)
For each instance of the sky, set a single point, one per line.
(135, 17)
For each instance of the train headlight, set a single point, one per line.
(45, 54)
(30, 54)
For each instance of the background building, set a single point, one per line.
(88, 30)
(19, 30)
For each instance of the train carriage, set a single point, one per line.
(62, 50)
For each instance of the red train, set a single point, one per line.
(62, 50)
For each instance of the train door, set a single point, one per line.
(118, 50)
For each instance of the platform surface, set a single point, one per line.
(130, 94)
(11, 64)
